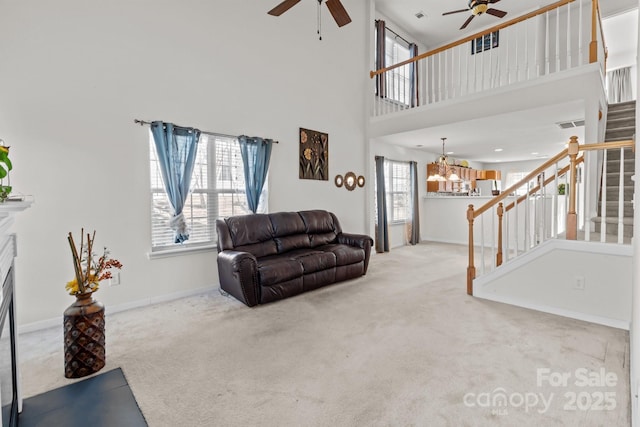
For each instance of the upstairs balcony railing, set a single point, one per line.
(556, 200)
(562, 36)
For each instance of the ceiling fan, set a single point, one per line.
(478, 7)
(336, 8)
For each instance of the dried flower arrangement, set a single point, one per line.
(89, 271)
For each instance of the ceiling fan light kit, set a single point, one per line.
(478, 7)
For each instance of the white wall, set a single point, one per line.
(634, 332)
(543, 281)
(75, 74)
(621, 35)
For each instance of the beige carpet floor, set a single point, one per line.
(403, 346)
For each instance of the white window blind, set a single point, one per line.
(398, 84)
(513, 178)
(217, 190)
(397, 186)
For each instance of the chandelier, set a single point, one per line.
(445, 173)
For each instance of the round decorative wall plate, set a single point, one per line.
(350, 181)
(338, 180)
(361, 181)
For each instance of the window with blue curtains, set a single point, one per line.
(256, 153)
(176, 148)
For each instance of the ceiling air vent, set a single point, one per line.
(571, 124)
(420, 15)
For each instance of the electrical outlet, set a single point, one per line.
(579, 283)
(115, 279)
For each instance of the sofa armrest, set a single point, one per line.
(238, 274)
(360, 240)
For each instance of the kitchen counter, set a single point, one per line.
(446, 217)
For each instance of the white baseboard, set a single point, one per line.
(450, 241)
(57, 321)
(614, 323)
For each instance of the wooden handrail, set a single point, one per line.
(498, 27)
(514, 187)
(608, 145)
(571, 221)
(547, 181)
(546, 165)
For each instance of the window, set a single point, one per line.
(515, 177)
(398, 186)
(398, 80)
(217, 190)
(486, 42)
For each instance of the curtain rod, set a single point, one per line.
(393, 160)
(396, 34)
(143, 122)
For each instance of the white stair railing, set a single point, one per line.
(542, 42)
(535, 209)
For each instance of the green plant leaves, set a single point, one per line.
(4, 169)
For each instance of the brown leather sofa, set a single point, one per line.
(267, 257)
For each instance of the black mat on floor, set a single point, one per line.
(104, 400)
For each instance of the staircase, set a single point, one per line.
(621, 126)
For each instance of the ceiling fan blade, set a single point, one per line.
(338, 12)
(496, 12)
(493, 1)
(455, 11)
(283, 7)
(467, 22)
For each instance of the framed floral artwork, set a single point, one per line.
(314, 155)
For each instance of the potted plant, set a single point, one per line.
(84, 339)
(5, 167)
(495, 191)
(561, 189)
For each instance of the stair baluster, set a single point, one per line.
(621, 199)
(603, 198)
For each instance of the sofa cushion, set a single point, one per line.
(322, 239)
(289, 243)
(344, 254)
(281, 290)
(287, 223)
(278, 268)
(261, 249)
(319, 279)
(249, 229)
(252, 233)
(319, 222)
(313, 261)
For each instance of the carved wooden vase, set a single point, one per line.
(84, 352)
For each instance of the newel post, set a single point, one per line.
(471, 269)
(572, 217)
(500, 212)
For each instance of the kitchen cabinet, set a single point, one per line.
(467, 179)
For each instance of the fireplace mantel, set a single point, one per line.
(10, 392)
